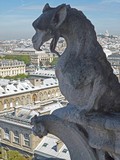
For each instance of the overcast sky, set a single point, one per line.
(16, 16)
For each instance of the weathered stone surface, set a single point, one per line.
(85, 76)
(87, 124)
(81, 138)
(69, 133)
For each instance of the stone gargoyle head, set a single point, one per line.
(47, 26)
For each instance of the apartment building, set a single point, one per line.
(16, 133)
(16, 93)
(114, 60)
(37, 57)
(41, 58)
(11, 67)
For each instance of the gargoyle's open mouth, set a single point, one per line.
(37, 40)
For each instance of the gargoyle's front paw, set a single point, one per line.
(38, 128)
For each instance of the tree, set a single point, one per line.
(25, 58)
(54, 62)
(20, 76)
(15, 155)
(47, 63)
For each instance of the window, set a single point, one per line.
(29, 117)
(45, 145)
(7, 135)
(11, 104)
(21, 115)
(64, 150)
(26, 140)
(17, 103)
(5, 106)
(16, 137)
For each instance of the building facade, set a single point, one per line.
(37, 57)
(17, 93)
(41, 58)
(114, 60)
(16, 134)
(11, 67)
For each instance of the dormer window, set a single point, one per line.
(64, 150)
(45, 145)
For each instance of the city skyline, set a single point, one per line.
(17, 15)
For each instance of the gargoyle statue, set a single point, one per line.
(86, 80)
(85, 76)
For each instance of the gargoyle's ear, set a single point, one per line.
(59, 16)
(46, 7)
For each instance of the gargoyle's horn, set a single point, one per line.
(46, 7)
